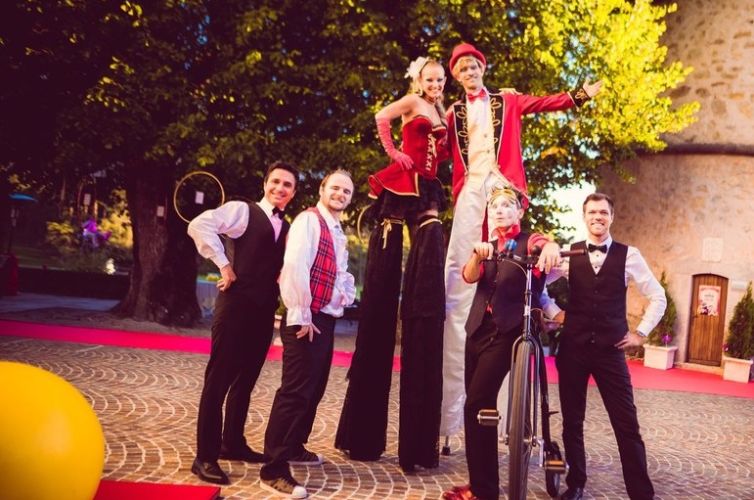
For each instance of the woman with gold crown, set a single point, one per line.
(407, 191)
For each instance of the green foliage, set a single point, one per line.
(62, 236)
(663, 333)
(64, 239)
(740, 341)
(357, 261)
(150, 90)
(162, 88)
(117, 221)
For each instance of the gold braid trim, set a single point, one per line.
(387, 226)
(430, 221)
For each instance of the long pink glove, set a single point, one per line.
(386, 138)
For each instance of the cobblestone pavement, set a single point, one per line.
(699, 446)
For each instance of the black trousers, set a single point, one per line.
(607, 364)
(487, 362)
(363, 422)
(422, 320)
(306, 368)
(241, 336)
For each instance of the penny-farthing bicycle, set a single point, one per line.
(528, 399)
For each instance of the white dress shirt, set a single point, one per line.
(637, 271)
(300, 251)
(230, 219)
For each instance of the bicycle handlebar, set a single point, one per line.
(573, 253)
(534, 256)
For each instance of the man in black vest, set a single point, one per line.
(244, 315)
(315, 287)
(495, 321)
(594, 335)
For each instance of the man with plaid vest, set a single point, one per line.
(315, 287)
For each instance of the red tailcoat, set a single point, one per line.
(507, 110)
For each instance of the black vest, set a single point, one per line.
(502, 286)
(596, 311)
(256, 259)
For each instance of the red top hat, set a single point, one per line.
(465, 49)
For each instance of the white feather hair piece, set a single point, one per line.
(415, 68)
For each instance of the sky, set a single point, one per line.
(573, 198)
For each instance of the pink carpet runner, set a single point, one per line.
(641, 377)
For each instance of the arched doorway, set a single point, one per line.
(707, 319)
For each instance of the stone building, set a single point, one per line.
(691, 209)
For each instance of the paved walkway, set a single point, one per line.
(699, 446)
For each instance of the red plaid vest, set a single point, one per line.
(325, 268)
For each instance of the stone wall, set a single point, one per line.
(700, 193)
(678, 202)
(716, 38)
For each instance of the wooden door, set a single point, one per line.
(707, 324)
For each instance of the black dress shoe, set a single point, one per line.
(209, 471)
(573, 494)
(244, 454)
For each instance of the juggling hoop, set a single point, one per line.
(196, 192)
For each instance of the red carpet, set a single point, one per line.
(642, 378)
(674, 380)
(122, 490)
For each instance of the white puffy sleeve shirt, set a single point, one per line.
(230, 219)
(300, 251)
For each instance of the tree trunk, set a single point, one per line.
(163, 279)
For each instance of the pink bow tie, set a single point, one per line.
(472, 97)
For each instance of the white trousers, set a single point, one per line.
(468, 217)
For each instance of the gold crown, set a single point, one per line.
(508, 191)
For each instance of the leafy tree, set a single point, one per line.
(740, 341)
(663, 333)
(149, 91)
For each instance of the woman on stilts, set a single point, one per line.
(407, 192)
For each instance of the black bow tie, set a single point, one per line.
(276, 211)
(601, 248)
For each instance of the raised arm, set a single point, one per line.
(403, 107)
(557, 102)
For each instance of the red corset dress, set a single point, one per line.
(420, 143)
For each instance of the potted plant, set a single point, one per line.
(658, 353)
(739, 346)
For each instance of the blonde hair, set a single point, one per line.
(455, 70)
(415, 73)
(340, 171)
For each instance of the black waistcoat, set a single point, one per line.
(502, 286)
(256, 259)
(596, 311)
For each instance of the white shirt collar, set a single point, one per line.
(266, 206)
(329, 219)
(608, 241)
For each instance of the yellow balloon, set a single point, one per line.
(51, 443)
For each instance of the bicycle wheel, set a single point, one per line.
(520, 430)
(552, 476)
